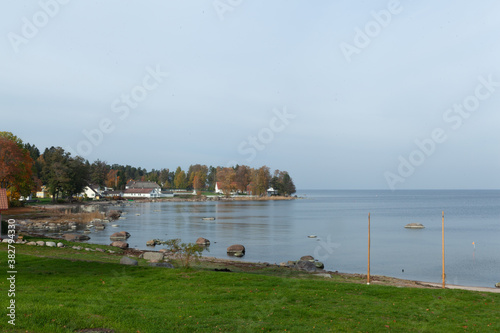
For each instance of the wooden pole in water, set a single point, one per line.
(368, 275)
(442, 242)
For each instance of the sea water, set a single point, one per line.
(278, 231)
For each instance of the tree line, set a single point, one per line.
(24, 169)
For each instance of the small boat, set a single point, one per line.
(208, 218)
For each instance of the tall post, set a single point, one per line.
(442, 242)
(368, 275)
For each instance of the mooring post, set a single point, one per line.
(442, 242)
(368, 275)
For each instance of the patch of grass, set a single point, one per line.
(60, 295)
(67, 252)
(40, 201)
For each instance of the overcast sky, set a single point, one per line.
(341, 94)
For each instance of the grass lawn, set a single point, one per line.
(64, 290)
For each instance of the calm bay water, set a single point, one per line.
(276, 231)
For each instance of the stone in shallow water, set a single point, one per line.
(122, 235)
(236, 250)
(414, 226)
(75, 237)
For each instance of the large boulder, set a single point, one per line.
(128, 261)
(120, 244)
(121, 235)
(153, 256)
(203, 241)
(50, 244)
(236, 250)
(308, 258)
(75, 237)
(306, 265)
(319, 264)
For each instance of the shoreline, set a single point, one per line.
(250, 266)
(44, 211)
(375, 279)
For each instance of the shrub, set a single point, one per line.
(187, 251)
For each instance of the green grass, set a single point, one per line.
(41, 201)
(54, 294)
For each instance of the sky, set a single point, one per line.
(341, 94)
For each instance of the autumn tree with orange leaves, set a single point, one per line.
(16, 167)
(226, 180)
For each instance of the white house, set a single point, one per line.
(140, 189)
(234, 186)
(271, 191)
(91, 191)
(142, 193)
(111, 194)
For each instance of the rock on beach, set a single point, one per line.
(306, 265)
(128, 261)
(120, 244)
(153, 256)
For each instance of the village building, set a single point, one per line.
(141, 189)
(92, 192)
(43, 193)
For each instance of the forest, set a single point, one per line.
(24, 170)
